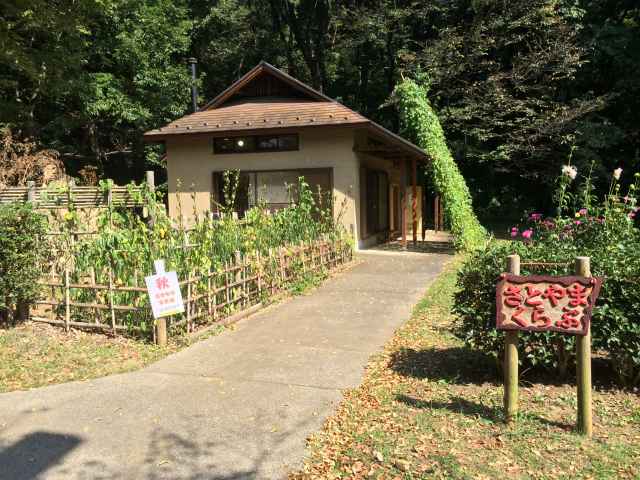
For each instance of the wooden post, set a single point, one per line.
(151, 186)
(283, 268)
(583, 364)
(436, 213)
(243, 279)
(237, 279)
(111, 309)
(189, 326)
(414, 200)
(215, 295)
(209, 311)
(259, 272)
(403, 202)
(271, 272)
(227, 266)
(511, 357)
(161, 331)
(67, 300)
(31, 191)
(92, 277)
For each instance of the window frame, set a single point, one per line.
(216, 187)
(255, 139)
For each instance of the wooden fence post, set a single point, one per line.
(271, 272)
(237, 278)
(31, 191)
(511, 357)
(161, 331)
(151, 185)
(112, 311)
(583, 363)
(209, 311)
(67, 300)
(189, 326)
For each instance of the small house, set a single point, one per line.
(274, 129)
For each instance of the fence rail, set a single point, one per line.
(208, 297)
(79, 197)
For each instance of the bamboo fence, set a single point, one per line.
(208, 298)
(73, 196)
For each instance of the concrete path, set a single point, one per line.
(236, 406)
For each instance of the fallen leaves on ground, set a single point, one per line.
(431, 408)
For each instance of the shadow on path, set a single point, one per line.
(34, 454)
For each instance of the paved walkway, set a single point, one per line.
(239, 405)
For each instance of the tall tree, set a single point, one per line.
(504, 76)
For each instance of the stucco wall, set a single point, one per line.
(191, 161)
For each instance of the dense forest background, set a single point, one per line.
(520, 85)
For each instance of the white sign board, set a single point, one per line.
(164, 293)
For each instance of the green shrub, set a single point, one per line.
(609, 235)
(420, 123)
(23, 249)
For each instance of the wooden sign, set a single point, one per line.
(541, 303)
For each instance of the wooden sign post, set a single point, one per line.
(165, 298)
(542, 303)
(583, 363)
(511, 357)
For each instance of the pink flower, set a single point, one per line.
(535, 216)
(577, 222)
(582, 212)
(528, 233)
(632, 215)
(514, 232)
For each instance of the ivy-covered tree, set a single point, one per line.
(420, 123)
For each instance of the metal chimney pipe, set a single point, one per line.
(194, 89)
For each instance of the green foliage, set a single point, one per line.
(608, 233)
(23, 250)
(89, 79)
(125, 246)
(420, 122)
(516, 84)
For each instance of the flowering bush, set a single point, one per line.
(607, 231)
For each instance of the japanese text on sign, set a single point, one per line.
(164, 294)
(546, 303)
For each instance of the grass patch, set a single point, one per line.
(431, 408)
(33, 355)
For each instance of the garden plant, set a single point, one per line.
(604, 229)
(117, 248)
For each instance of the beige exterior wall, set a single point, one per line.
(191, 161)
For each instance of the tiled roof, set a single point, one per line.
(261, 113)
(256, 102)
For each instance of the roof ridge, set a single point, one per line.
(260, 68)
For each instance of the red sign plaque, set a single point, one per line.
(541, 303)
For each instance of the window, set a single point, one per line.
(255, 143)
(274, 189)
